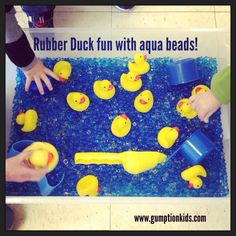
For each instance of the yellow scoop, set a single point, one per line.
(132, 161)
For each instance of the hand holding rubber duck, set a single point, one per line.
(207, 103)
(18, 169)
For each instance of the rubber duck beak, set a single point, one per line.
(142, 101)
(190, 185)
(110, 87)
(21, 112)
(176, 128)
(137, 78)
(145, 57)
(198, 89)
(62, 79)
(82, 100)
(50, 157)
(180, 104)
(124, 116)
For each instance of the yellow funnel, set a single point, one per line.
(132, 161)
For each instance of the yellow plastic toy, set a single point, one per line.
(43, 154)
(88, 185)
(184, 108)
(131, 81)
(167, 136)
(133, 162)
(78, 101)
(121, 125)
(63, 70)
(144, 101)
(191, 174)
(104, 89)
(201, 88)
(28, 119)
(140, 65)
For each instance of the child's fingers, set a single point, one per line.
(52, 74)
(23, 155)
(201, 113)
(206, 118)
(27, 84)
(39, 85)
(192, 99)
(47, 81)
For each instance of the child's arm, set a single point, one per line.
(220, 85)
(20, 53)
(207, 103)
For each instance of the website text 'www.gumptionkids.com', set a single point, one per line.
(170, 218)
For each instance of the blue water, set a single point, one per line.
(72, 131)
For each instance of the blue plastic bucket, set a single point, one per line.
(196, 147)
(182, 71)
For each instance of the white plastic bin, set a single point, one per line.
(210, 42)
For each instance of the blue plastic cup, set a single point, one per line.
(196, 147)
(182, 71)
(18, 147)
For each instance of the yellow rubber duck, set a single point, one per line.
(131, 81)
(191, 174)
(144, 101)
(167, 136)
(28, 119)
(184, 108)
(63, 70)
(88, 185)
(104, 89)
(78, 101)
(43, 154)
(140, 66)
(121, 125)
(201, 88)
(134, 162)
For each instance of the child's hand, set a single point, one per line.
(37, 73)
(204, 104)
(19, 169)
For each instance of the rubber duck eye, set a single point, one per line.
(181, 110)
(60, 73)
(76, 101)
